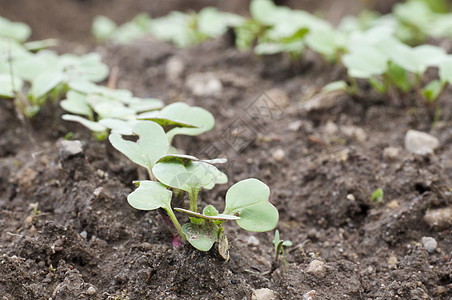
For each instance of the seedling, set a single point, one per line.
(279, 246)
(390, 65)
(101, 109)
(377, 196)
(181, 29)
(105, 29)
(40, 76)
(290, 31)
(246, 201)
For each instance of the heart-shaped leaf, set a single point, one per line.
(150, 195)
(249, 200)
(151, 145)
(76, 103)
(187, 173)
(182, 113)
(364, 61)
(201, 236)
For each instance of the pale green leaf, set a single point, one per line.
(151, 145)
(103, 28)
(187, 174)
(91, 125)
(76, 103)
(150, 195)
(8, 85)
(44, 83)
(201, 236)
(248, 199)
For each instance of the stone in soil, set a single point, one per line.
(420, 142)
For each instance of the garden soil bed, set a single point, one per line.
(322, 163)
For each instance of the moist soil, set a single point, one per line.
(67, 232)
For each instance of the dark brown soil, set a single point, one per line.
(87, 243)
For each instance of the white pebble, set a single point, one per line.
(263, 294)
(91, 290)
(391, 153)
(316, 268)
(420, 142)
(439, 217)
(309, 295)
(429, 243)
(174, 68)
(70, 148)
(279, 155)
(252, 241)
(204, 85)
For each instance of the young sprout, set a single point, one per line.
(279, 246)
(377, 196)
(101, 109)
(246, 201)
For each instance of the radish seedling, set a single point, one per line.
(102, 109)
(279, 246)
(389, 64)
(246, 201)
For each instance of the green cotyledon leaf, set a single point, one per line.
(248, 199)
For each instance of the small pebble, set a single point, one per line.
(393, 204)
(174, 68)
(278, 97)
(420, 142)
(319, 102)
(351, 197)
(100, 173)
(440, 217)
(91, 291)
(330, 128)
(392, 262)
(309, 295)
(295, 126)
(263, 294)
(279, 155)
(440, 290)
(391, 153)
(145, 246)
(252, 241)
(98, 191)
(84, 234)
(70, 149)
(429, 243)
(204, 85)
(355, 132)
(316, 268)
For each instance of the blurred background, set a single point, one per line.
(72, 19)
